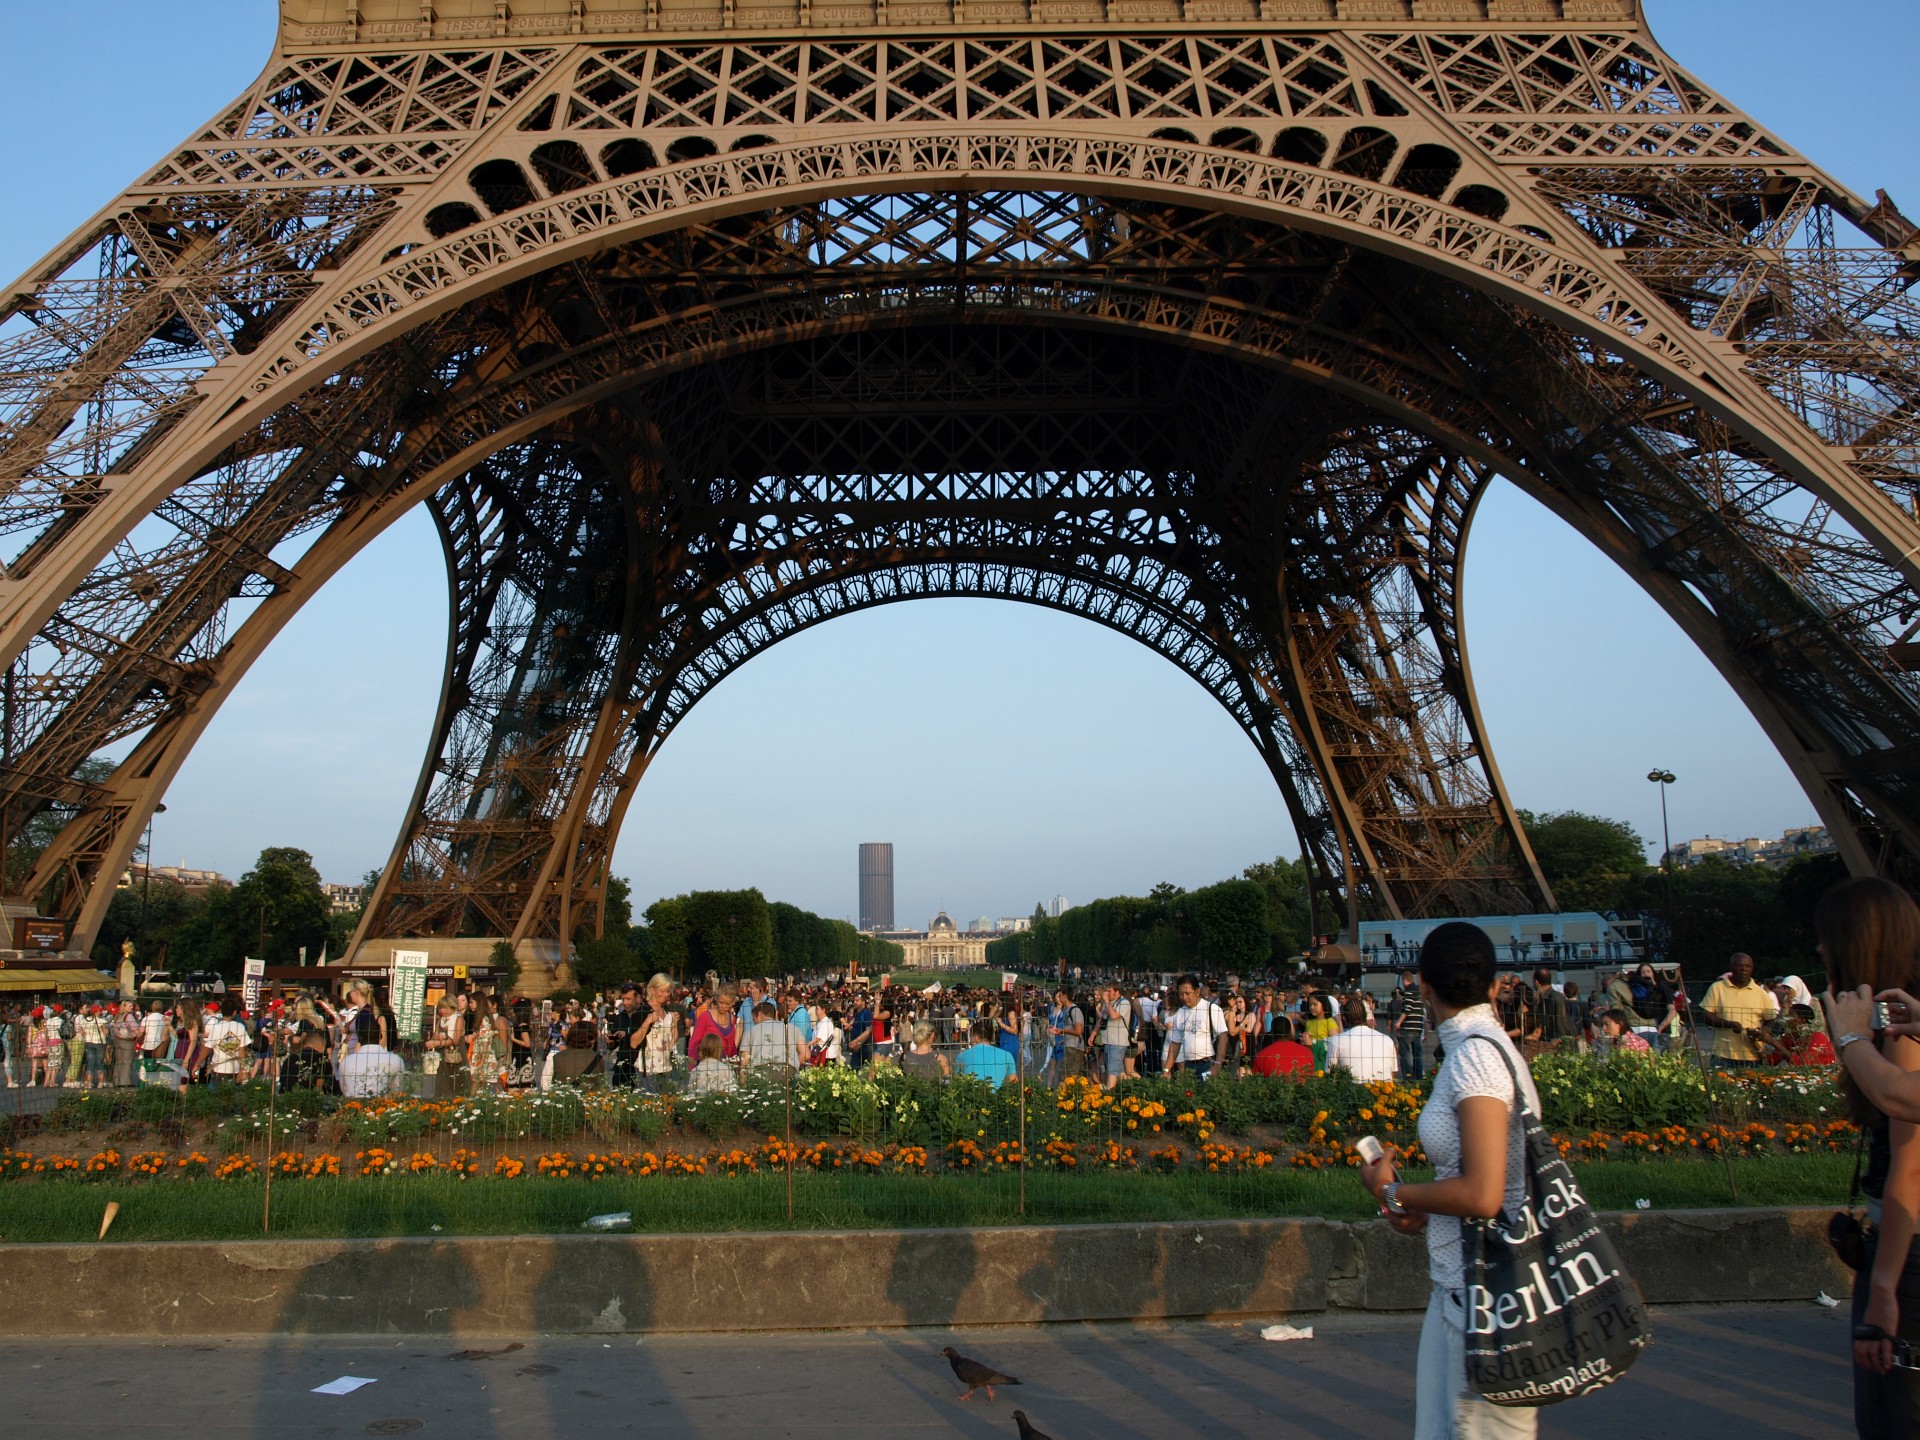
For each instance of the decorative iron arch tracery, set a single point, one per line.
(1718, 392)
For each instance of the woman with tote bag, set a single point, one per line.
(1530, 1304)
(1470, 1130)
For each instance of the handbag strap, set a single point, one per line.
(1519, 1090)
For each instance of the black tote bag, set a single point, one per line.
(1550, 1311)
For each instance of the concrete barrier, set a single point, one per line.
(567, 1284)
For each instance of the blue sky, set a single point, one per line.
(1010, 754)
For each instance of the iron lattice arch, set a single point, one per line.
(1211, 335)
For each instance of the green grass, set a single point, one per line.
(413, 1205)
(1694, 1184)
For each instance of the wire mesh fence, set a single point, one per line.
(825, 1147)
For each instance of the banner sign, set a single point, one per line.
(30, 932)
(1007, 981)
(251, 973)
(407, 992)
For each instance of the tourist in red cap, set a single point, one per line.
(39, 1070)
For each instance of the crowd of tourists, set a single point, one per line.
(662, 1034)
(1476, 1029)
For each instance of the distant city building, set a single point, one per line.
(1774, 854)
(1012, 924)
(1058, 907)
(983, 925)
(876, 887)
(942, 946)
(176, 875)
(341, 898)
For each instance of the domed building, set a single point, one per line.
(943, 946)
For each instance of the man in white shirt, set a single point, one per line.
(370, 1069)
(153, 1031)
(1362, 1051)
(226, 1041)
(1194, 1031)
(772, 1041)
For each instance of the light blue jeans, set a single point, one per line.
(1444, 1407)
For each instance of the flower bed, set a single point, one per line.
(966, 1156)
(1634, 1108)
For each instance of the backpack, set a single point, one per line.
(66, 1027)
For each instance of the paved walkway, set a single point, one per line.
(1751, 1373)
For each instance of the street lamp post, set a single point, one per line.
(1664, 778)
(146, 878)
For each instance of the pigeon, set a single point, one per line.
(1027, 1432)
(975, 1374)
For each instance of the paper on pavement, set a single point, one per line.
(345, 1385)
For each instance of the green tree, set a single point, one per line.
(1008, 952)
(151, 915)
(726, 931)
(1801, 885)
(802, 941)
(1716, 909)
(619, 952)
(667, 924)
(603, 962)
(876, 956)
(506, 967)
(732, 932)
(616, 912)
(279, 901)
(1589, 861)
(1289, 927)
(1229, 923)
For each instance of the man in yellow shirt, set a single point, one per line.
(1733, 1009)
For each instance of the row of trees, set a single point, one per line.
(1697, 916)
(275, 910)
(1253, 921)
(731, 932)
(278, 908)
